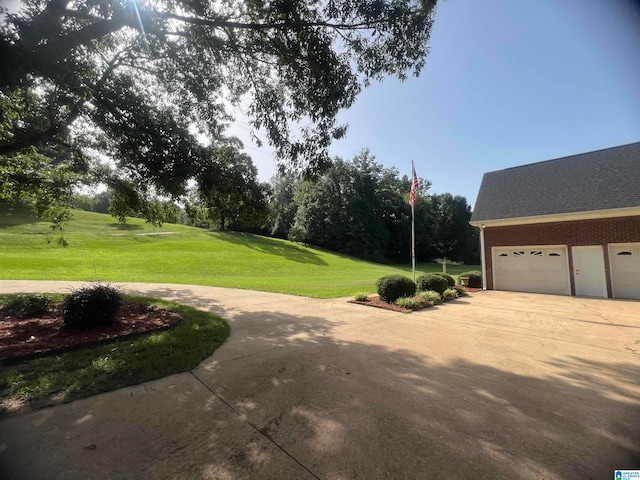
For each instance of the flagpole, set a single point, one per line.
(413, 226)
(413, 243)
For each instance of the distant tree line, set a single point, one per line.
(357, 207)
(361, 208)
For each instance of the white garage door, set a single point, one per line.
(625, 270)
(537, 269)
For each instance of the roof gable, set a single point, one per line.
(601, 180)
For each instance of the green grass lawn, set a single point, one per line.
(101, 249)
(101, 368)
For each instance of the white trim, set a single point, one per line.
(483, 261)
(563, 217)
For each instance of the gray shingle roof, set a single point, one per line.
(600, 180)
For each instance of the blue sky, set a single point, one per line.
(507, 82)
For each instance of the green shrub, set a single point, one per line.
(361, 297)
(450, 280)
(430, 296)
(407, 302)
(432, 281)
(449, 293)
(475, 278)
(462, 292)
(28, 304)
(92, 306)
(392, 287)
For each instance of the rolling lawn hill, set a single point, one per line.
(101, 249)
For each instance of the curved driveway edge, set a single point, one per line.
(495, 385)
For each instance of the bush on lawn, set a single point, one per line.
(475, 278)
(92, 306)
(361, 297)
(450, 280)
(392, 287)
(28, 304)
(432, 281)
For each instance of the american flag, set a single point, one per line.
(414, 186)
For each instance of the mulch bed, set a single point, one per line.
(24, 337)
(374, 301)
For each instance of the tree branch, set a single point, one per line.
(261, 26)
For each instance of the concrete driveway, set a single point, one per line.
(496, 385)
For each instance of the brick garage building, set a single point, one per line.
(569, 226)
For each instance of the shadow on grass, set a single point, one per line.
(14, 214)
(270, 246)
(125, 226)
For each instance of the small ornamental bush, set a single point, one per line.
(28, 304)
(407, 302)
(475, 278)
(449, 294)
(92, 306)
(462, 292)
(431, 281)
(430, 296)
(392, 287)
(361, 297)
(450, 280)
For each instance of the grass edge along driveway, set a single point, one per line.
(61, 378)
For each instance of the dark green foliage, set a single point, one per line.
(454, 238)
(360, 208)
(432, 281)
(392, 287)
(144, 83)
(92, 306)
(475, 278)
(228, 193)
(25, 304)
(450, 280)
(282, 205)
(98, 202)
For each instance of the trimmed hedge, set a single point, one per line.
(432, 281)
(92, 306)
(392, 287)
(450, 280)
(475, 278)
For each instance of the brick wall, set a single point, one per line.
(580, 232)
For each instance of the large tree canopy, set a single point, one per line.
(361, 208)
(142, 82)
